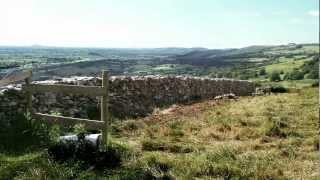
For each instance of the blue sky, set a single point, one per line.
(158, 23)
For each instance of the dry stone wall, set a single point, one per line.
(129, 96)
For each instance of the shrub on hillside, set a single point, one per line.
(262, 72)
(311, 68)
(313, 74)
(19, 132)
(315, 84)
(296, 75)
(278, 89)
(275, 76)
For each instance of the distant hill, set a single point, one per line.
(221, 57)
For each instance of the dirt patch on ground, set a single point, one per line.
(177, 111)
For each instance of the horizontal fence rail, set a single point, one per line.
(69, 121)
(95, 91)
(65, 89)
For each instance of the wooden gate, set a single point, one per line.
(94, 91)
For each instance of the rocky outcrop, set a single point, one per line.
(128, 96)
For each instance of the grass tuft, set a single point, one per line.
(154, 145)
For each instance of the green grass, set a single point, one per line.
(266, 137)
(306, 49)
(311, 48)
(164, 67)
(285, 65)
(262, 137)
(140, 68)
(167, 69)
(292, 83)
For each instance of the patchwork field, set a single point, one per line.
(285, 65)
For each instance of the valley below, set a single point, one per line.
(293, 62)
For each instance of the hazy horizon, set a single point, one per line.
(92, 47)
(209, 24)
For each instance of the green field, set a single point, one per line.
(285, 65)
(243, 63)
(293, 83)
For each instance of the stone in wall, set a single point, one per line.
(129, 95)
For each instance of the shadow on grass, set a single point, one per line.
(19, 133)
(88, 155)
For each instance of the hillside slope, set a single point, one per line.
(259, 53)
(266, 137)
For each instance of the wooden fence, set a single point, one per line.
(94, 91)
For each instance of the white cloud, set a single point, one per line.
(314, 13)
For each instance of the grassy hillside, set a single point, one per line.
(266, 137)
(285, 65)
